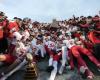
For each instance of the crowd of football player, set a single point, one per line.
(66, 44)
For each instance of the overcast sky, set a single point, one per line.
(46, 10)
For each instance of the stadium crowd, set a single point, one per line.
(63, 42)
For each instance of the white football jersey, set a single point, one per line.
(50, 44)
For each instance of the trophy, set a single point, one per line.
(31, 69)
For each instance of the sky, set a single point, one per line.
(46, 10)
